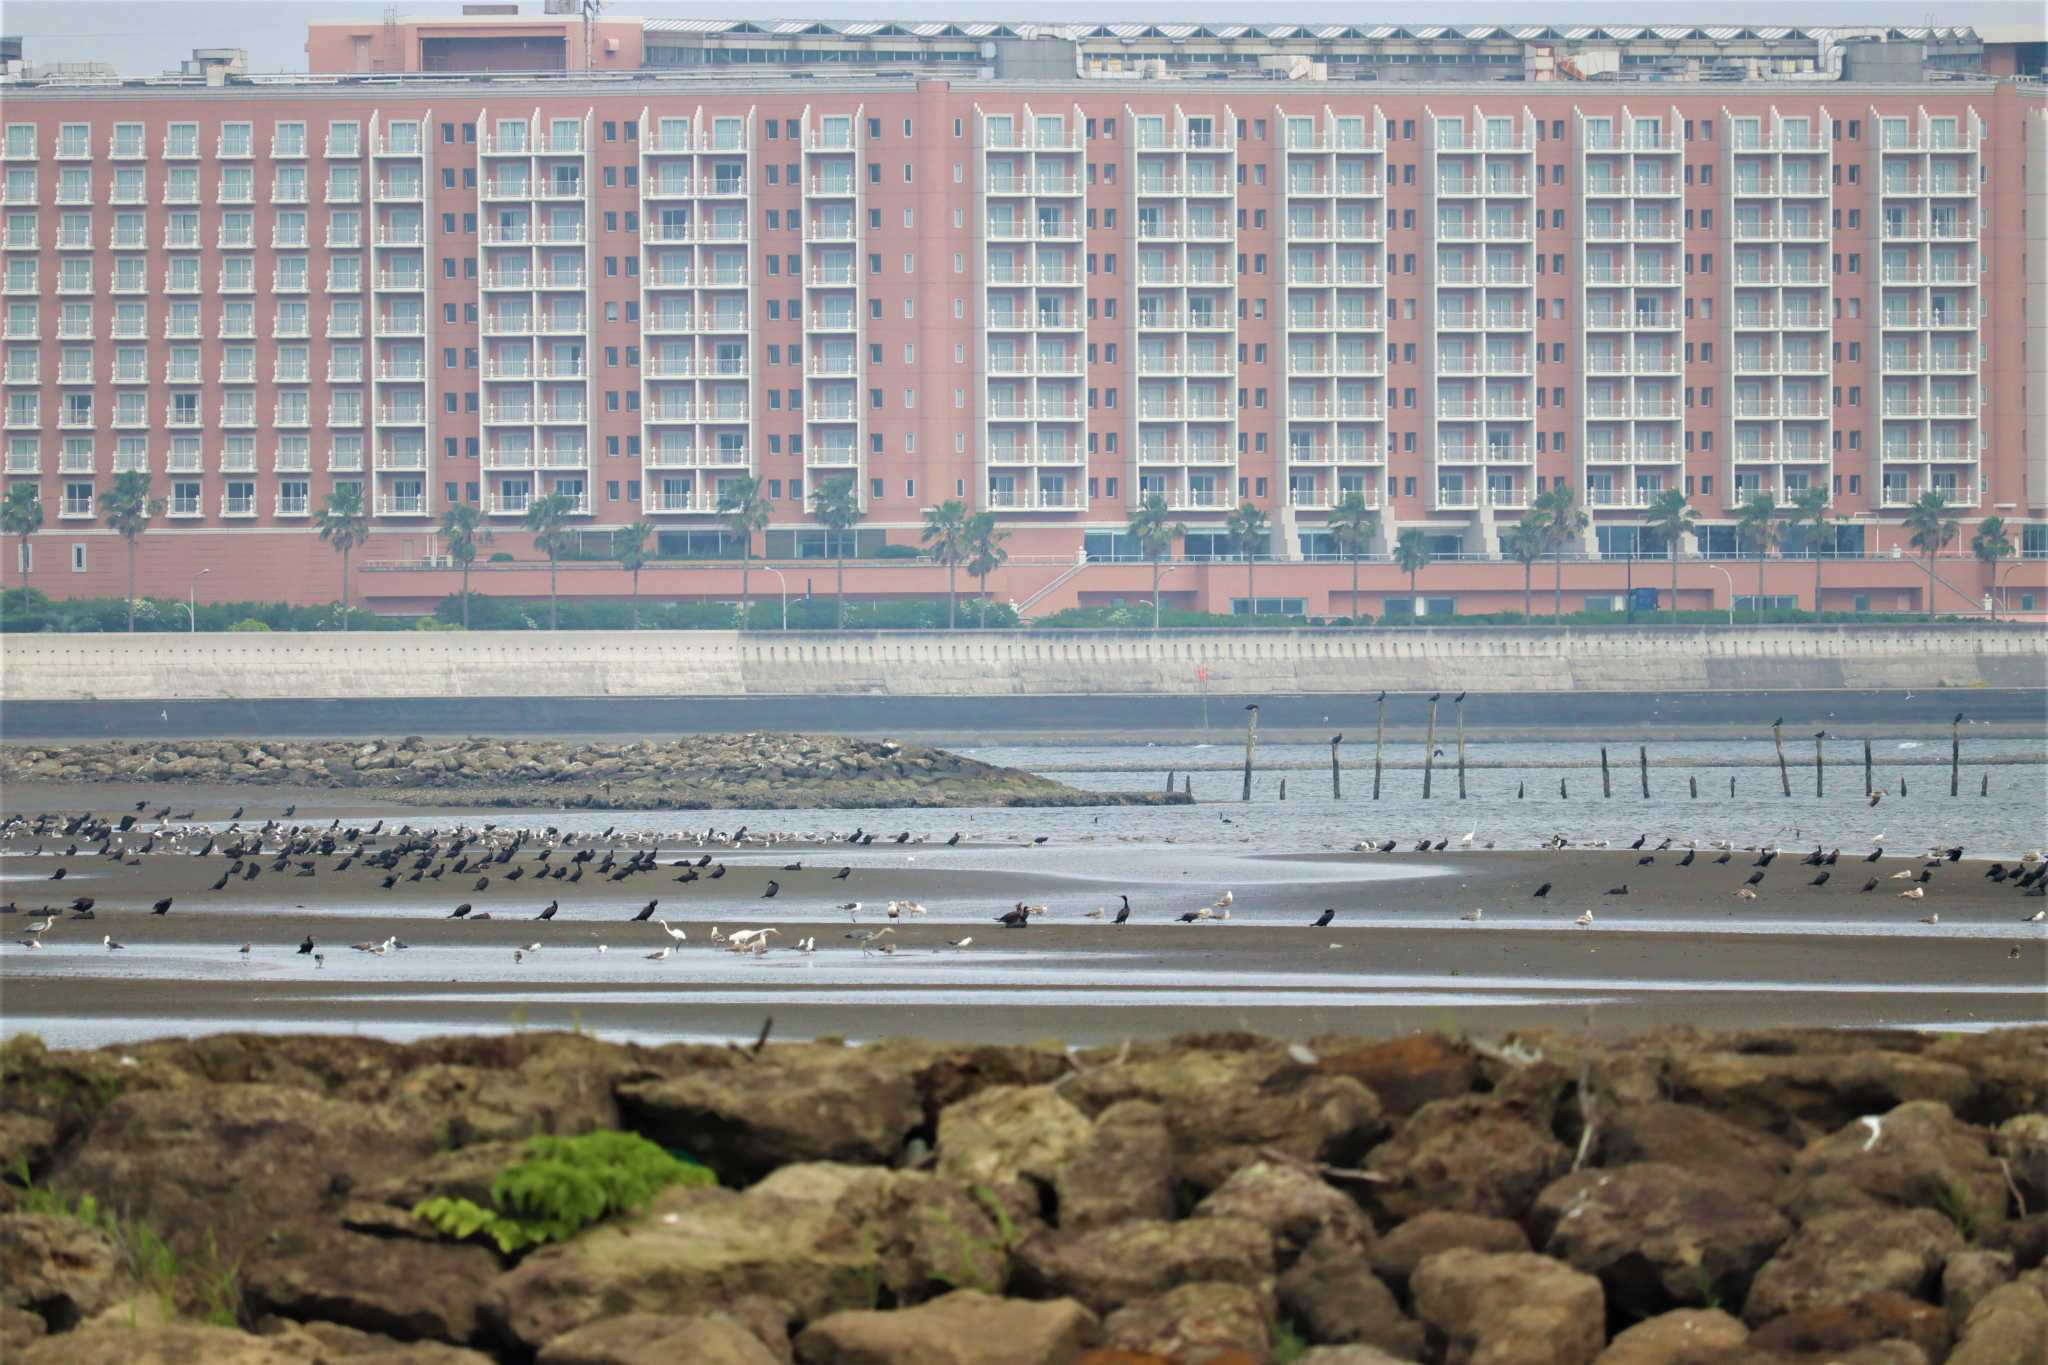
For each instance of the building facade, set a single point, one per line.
(1045, 299)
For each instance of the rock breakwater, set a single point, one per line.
(754, 770)
(1762, 1198)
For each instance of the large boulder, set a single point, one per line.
(1334, 1296)
(1123, 1169)
(814, 1239)
(1011, 1142)
(1659, 1237)
(481, 1090)
(1884, 1316)
(1747, 1159)
(660, 1339)
(2023, 1142)
(1510, 1309)
(59, 1269)
(1395, 1255)
(2008, 1068)
(2009, 1324)
(1919, 1155)
(174, 1344)
(398, 1287)
(1840, 1257)
(810, 1102)
(1684, 1336)
(1227, 1099)
(961, 1328)
(1968, 1277)
(334, 1344)
(1194, 1322)
(1407, 1073)
(1467, 1155)
(1292, 1205)
(216, 1168)
(1803, 1094)
(1108, 1267)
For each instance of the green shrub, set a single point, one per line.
(897, 552)
(248, 624)
(563, 1186)
(500, 557)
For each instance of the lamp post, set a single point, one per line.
(1731, 586)
(192, 602)
(783, 586)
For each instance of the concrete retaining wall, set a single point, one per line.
(723, 664)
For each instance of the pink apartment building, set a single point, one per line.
(1047, 298)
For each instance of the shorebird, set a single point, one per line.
(1015, 919)
(677, 934)
(1223, 902)
(1123, 915)
(112, 946)
(247, 948)
(1930, 919)
(1540, 892)
(2037, 917)
(660, 955)
(43, 925)
(1745, 893)
(306, 948)
(1585, 920)
(1902, 875)
(162, 907)
(1473, 916)
(1913, 893)
(1323, 920)
(866, 937)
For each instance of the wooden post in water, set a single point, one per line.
(1643, 767)
(1778, 738)
(1251, 744)
(1902, 784)
(1169, 781)
(1984, 785)
(1606, 786)
(1955, 753)
(1520, 789)
(1820, 764)
(1187, 785)
(1429, 750)
(1336, 772)
(1379, 744)
(1867, 788)
(1562, 793)
(1731, 784)
(1692, 786)
(1283, 789)
(1458, 704)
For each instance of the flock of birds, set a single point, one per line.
(491, 855)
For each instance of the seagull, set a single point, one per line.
(1223, 902)
(852, 908)
(1745, 893)
(1472, 916)
(1585, 920)
(1913, 893)
(112, 946)
(956, 944)
(2037, 917)
(661, 955)
(1930, 919)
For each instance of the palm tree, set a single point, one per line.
(1249, 529)
(1352, 525)
(985, 553)
(630, 548)
(1991, 544)
(945, 535)
(463, 529)
(836, 506)
(1411, 552)
(344, 523)
(1933, 526)
(1155, 531)
(1759, 526)
(1810, 509)
(1527, 541)
(1563, 522)
(745, 512)
(22, 515)
(128, 509)
(1671, 517)
(548, 518)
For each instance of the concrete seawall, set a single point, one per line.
(78, 668)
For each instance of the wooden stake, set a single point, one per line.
(1820, 764)
(1562, 793)
(1459, 707)
(1867, 788)
(1955, 753)
(1778, 738)
(1606, 785)
(1429, 751)
(1336, 771)
(1283, 789)
(1692, 785)
(1251, 744)
(1169, 780)
(1187, 785)
(1520, 787)
(1379, 744)
(1643, 766)
(1984, 783)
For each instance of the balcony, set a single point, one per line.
(1043, 453)
(687, 500)
(401, 461)
(1199, 499)
(293, 505)
(1035, 500)
(1606, 498)
(401, 505)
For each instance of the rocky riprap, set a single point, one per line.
(1763, 1198)
(694, 772)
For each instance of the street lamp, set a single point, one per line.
(1731, 586)
(783, 584)
(192, 601)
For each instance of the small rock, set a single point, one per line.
(2011, 1324)
(961, 1328)
(1968, 1277)
(1122, 1170)
(1842, 1256)
(1406, 1073)
(1467, 1155)
(1884, 1316)
(659, 1339)
(58, 1268)
(1699, 1140)
(2023, 1141)
(1106, 1268)
(1333, 1294)
(1010, 1140)
(1292, 1205)
(395, 1286)
(1684, 1336)
(1194, 1322)
(1512, 1308)
(1394, 1256)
